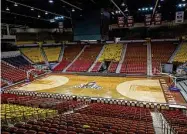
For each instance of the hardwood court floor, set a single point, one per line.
(141, 89)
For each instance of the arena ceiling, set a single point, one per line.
(38, 13)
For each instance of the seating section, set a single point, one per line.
(86, 59)
(181, 55)
(97, 67)
(20, 62)
(3, 84)
(11, 73)
(117, 111)
(182, 85)
(52, 53)
(12, 98)
(112, 52)
(161, 52)
(52, 103)
(10, 113)
(84, 124)
(177, 120)
(17, 61)
(70, 53)
(135, 59)
(134, 120)
(113, 66)
(33, 54)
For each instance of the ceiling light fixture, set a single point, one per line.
(46, 13)
(59, 18)
(123, 4)
(151, 8)
(183, 0)
(32, 9)
(15, 4)
(50, 1)
(7, 9)
(139, 9)
(39, 16)
(73, 10)
(126, 10)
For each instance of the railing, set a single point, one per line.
(165, 126)
(144, 104)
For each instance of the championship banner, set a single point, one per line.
(61, 27)
(130, 21)
(147, 19)
(121, 22)
(179, 17)
(158, 19)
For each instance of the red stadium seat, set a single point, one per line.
(86, 59)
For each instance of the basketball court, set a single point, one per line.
(140, 89)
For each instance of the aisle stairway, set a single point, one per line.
(135, 61)
(122, 58)
(96, 63)
(65, 69)
(149, 60)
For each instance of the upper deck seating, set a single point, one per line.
(177, 120)
(33, 54)
(135, 59)
(20, 62)
(11, 73)
(161, 52)
(181, 55)
(52, 53)
(112, 52)
(86, 59)
(70, 52)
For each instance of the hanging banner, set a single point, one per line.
(130, 21)
(158, 19)
(179, 17)
(61, 27)
(147, 20)
(121, 22)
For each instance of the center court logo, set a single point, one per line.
(92, 85)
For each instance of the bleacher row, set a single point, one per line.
(182, 85)
(13, 69)
(34, 101)
(36, 115)
(86, 59)
(135, 61)
(41, 119)
(177, 121)
(161, 52)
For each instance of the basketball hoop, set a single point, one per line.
(31, 74)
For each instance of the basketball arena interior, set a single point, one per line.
(93, 67)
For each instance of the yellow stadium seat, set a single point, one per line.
(11, 113)
(33, 54)
(112, 52)
(52, 53)
(181, 55)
